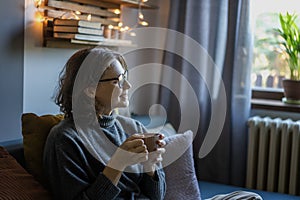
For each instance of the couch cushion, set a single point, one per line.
(16, 182)
(35, 130)
(181, 178)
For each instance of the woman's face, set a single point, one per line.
(111, 94)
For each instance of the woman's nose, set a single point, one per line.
(126, 84)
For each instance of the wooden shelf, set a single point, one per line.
(103, 4)
(60, 43)
(53, 42)
(77, 44)
(132, 3)
(101, 11)
(116, 3)
(117, 43)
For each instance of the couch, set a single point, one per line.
(17, 182)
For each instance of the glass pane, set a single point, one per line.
(269, 65)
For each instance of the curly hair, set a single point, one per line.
(68, 75)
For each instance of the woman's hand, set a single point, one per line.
(155, 157)
(132, 151)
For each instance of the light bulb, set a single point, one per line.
(39, 17)
(117, 11)
(144, 23)
(37, 3)
(133, 34)
(141, 16)
(89, 17)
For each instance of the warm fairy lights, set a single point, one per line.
(141, 16)
(77, 12)
(144, 23)
(141, 20)
(89, 17)
(39, 16)
(37, 3)
(117, 11)
(126, 29)
(110, 26)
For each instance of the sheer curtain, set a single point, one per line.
(222, 28)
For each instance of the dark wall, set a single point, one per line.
(11, 68)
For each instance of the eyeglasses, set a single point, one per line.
(121, 79)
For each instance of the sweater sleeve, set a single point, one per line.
(154, 187)
(68, 172)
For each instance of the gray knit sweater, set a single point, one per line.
(73, 173)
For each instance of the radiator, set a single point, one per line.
(273, 161)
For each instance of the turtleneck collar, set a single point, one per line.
(107, 120)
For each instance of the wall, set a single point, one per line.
(41, 67)
(28, 71)
(11, 68)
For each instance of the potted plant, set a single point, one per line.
(289, 33)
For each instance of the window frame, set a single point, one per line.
(271, 99)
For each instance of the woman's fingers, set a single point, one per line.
(156, 156)
(161, 143)
(160, 151)
(158, 159)
(135, 151)
(140, 157)
(132, 144)
(161, 136)
(140, 149)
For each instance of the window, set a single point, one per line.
(269, 65)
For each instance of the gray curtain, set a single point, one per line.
(222, 28)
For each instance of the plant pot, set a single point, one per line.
(291, 90)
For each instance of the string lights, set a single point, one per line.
(39, 14)
(141, 20)
(121, 28)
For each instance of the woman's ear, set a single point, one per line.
(90, 92)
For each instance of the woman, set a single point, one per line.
(94, 153)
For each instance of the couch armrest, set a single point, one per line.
(16, 182)
(15, 148)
